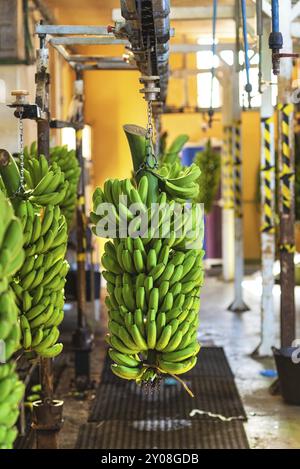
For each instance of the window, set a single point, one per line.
(2, 91)
(205, 60)
(204, 91)
(68, 138)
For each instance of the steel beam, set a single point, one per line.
(193, 48)
(62, 30)
(105, 66)
(87, 41)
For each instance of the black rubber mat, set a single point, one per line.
(212, 362)
(130, 401)
(125, 415)
(163, 434)
(211, 381)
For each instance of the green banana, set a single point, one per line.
(126, 372)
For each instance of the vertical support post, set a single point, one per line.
(82, 338)
(286, 184)
(42, 80)
(267, 190)
(238, 304)
(228, 205)
(47, 413)
(227, 181)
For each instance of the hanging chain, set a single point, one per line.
(149, 136)
(157, 134)
(21, 151)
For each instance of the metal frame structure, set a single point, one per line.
(47, 413)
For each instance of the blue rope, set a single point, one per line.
(248, 87)
(213, 50)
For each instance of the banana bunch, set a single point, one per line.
(39, 282)
(47, 183)
(11, 259)
(153, 314)
(11, 393)
(179, 182)
(68, 163)
(128, 204)
(62, 160)
(153, 285)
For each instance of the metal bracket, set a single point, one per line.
(28, 111)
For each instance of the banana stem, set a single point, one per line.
(188, 390)
(9, 172)
(136, 137)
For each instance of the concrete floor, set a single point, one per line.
(272, 423)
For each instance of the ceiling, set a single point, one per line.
(100, 12)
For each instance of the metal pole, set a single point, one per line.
(227, 181)
(267, 184)
(238, 304)
(82, 338)
(47, 413)
(42, 80)
(286, 185)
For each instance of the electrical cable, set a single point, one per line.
(248, 87)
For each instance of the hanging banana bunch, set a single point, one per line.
(64, 171)
(11, 259)
(171, 154)
(154, 278)
(39, 283)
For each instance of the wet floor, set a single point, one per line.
(272, 423)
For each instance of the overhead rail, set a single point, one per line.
(147, 27)
(62, 37)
